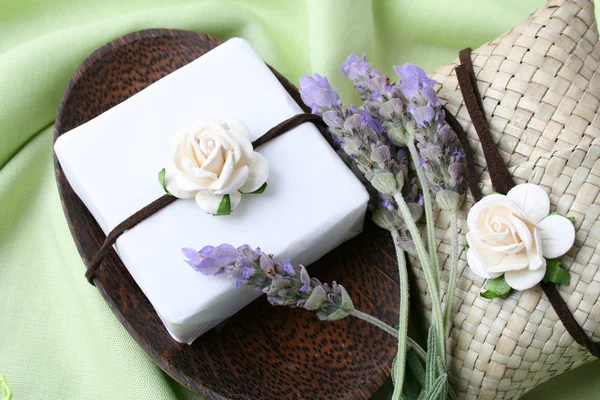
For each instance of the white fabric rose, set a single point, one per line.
(213, 159)
(513, 234)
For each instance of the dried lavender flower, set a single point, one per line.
(362, 136)
(415, 113)
(372, 85)
(318, 94)
(283, 283)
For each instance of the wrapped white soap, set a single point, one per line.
(312, 204)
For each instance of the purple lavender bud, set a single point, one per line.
(332, 118)
(246, 249)
(193, 255)
(224, 254)
(247, 272)
(266, 263)
(355, 67)
(455, 170)
(208, 266)
(391, 109)
(275, 301)
(244, 261)
(430, 96)
(206, 250)
(424, 115)
(355, 121)
(288, 267)
(381, 155)
(304, 277)
(408, 71)
(410, 86)
(305, 288)
(445, 134)
(316, 93)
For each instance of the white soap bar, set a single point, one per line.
(312, 204)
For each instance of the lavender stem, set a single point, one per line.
(453, 272)
(429, 222)
(403, 319)
(436, 307)
(388, 329)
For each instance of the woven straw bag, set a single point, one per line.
(540, 85)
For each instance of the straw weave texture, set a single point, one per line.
(540, 84)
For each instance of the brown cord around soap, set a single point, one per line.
(124, 226)
(502, 182)
(288, 124)
(165, 200)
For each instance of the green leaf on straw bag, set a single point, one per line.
(555, 273)
(496, 287)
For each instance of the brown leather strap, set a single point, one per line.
(501, 178)
(165, 200)
(568, 320)
(502, 182)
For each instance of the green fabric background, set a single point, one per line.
(58, 339)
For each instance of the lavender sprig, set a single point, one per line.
(362, 137)
(283, 283)
(372, 85)
(440, 156)
(416, 112)
(375, 88)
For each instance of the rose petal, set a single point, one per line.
(208, 202)
(258, 173)
(225, 174)
(205, 141)
(194, 172)
(513, 248)
(522, 231)
(230, 143)
(241, 133)
(236, 181)
(481, 249)
(188, 185)
(532, 200)
(173, 187)
(523, 279)
(557, 235)
(480, 206)
(235, 198)
(478, 266)
(196, 151)
(536, 258)
(511, 262)
(214, 162)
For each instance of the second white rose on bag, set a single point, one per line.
(514, 235)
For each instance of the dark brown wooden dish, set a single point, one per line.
(262, 352)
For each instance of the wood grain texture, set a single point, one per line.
(262, 352)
